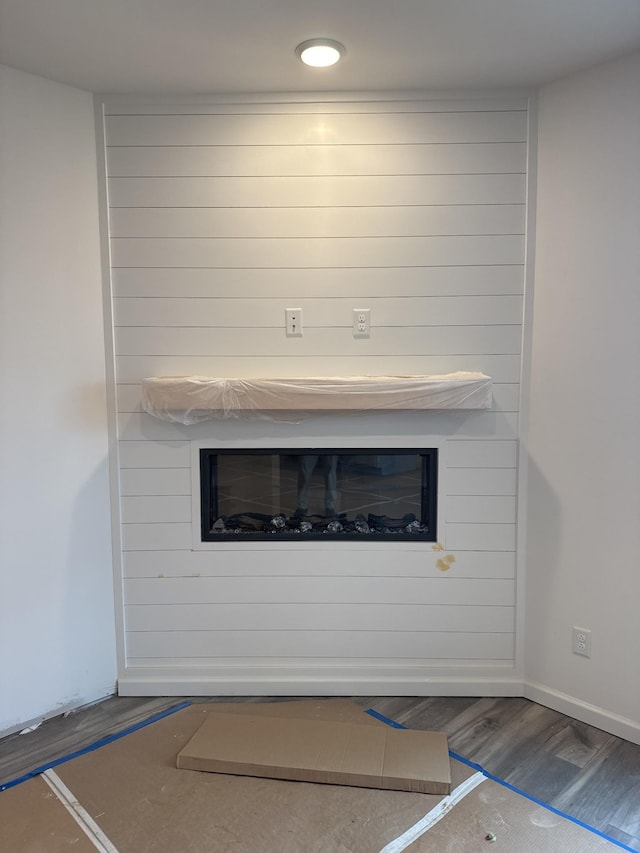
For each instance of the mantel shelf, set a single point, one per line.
(191, 399)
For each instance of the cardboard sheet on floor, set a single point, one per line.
(144, 804)
(519, 825)
(33, 819)
(325, 751)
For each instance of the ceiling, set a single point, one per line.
(189, 47)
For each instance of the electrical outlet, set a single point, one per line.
(361, 322)
(293, 322)
(582, 642)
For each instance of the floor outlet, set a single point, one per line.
(582, 642)
(293, 322)
(361, 322)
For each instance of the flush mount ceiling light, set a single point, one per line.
(320, 53)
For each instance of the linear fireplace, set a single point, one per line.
(299, 494)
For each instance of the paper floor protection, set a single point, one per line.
(129, 797)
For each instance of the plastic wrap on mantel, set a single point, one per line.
(192, 399)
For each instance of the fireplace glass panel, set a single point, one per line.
(250, 495)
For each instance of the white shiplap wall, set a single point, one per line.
(220, 218)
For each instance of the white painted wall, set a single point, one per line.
(584, 438)
(220, 216)
(57, 647)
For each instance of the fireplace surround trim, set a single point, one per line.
(437, 442)
(316, 493)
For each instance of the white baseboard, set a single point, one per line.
(185, 685)
(279, 684)
(591, 714)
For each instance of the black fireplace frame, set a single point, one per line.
(428, 497)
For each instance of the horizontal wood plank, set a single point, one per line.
(319, 252)
(506, 397)
(146, 454)
(481, 509)
(471, 454)
(309, 644)
(274, 283)
(319, 617)
(143, 509)
(353, 220)
(155, 481)
(336, 191)
(290, 129)
(270, 341)
(335, 590)
(489, 425)
(320, 312)
(231, 676)
(502, 368)
(325, 160)
(166, 537)
(480, 537)
(316, 103)
(290, 560)
(481, 481)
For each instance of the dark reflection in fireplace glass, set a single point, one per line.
(329, 494)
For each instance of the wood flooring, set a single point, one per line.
(580, 770)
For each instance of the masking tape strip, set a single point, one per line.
(81, 816)
(99, 743)
(510, 787)
(436, 814)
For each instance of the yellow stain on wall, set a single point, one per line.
(437, 547)
(445, 563)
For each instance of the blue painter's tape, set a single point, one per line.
(538, 802)
(99, 743)
(384, 719)
(510, 787)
